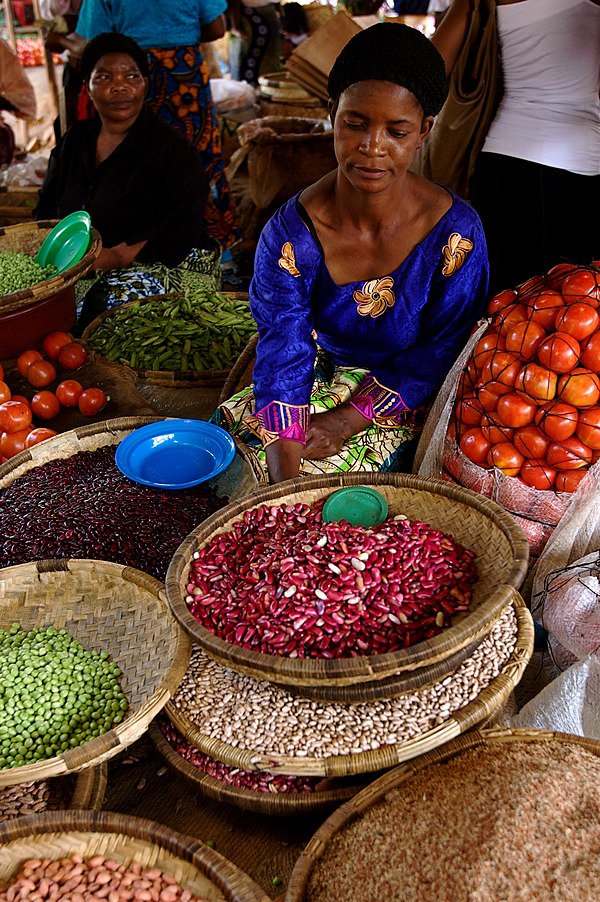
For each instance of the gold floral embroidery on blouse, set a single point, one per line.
(455, 253)
(287, 260)
(375, 297)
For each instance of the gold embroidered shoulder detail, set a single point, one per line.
(375, 297)
(455, 253)
(287, 260)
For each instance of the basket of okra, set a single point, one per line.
(186, 339)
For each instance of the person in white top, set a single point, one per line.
(536, 186)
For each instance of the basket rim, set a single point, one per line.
(234, 883)
(183, 378)
(119, 737)
(281, 804)
(377, 790)
(90, 788)
(490, 699)
(315, 671)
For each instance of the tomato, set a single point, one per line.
(531, 442)
(501, 367)
(486, 344)
(505, 457)
(41, 373)
(475, 446)
(590, 352)
(515, 410)
(25, 360)
(44, 405)
(502, 299)
(466, 385)
(22, 399)
(580, 387)
(529, 289)
(68, 392)
(12, 443)
(509, 317)
(92, 401)
(53, 342)
(493, 431)
(579, 320)
(525, 338)
(488, 395)
(570, 454)
(560, 352)
(468, 410)
(537, 382)
(14, 416)
(5, 392)
(556, 276)
(558, 420)
(568, 480)
(583, 283)
(72, 356)
(545, 307)
(39, 435)
(588, 427)
(537, 475)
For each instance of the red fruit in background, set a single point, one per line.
(41, 373)
(556, 276)
(531, 442)
(5, 393)
(537, 382)
(579, 320)
(505, 457)
(68, 392)
(568, 480)
(515, 410)
(12, 443)
(570, 454)
(530, 288)
(475, 446)
(72, 356)
(560, 352)
(14, 416)
(590, 353)
(25, 360)
(44, 405)
(53, 342)
(557, 420)
(537, 475)
(545, 307)
(509, 317)
(588, 427)
(524, 338)
(489, 395)
(495, 432)
(92, 401)
(580, 387)
(469, 411)
(501, 300)
(22, 399)
(38, 435)
(583, 283)
(501, 367)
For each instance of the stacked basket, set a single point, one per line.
(325, 718)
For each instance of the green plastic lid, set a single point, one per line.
(360, 506)
(67, 243)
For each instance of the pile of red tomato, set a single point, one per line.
(528, 402)
(17, 429)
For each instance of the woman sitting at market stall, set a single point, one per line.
(366, 285)
(141, 182)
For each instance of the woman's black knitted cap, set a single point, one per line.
(396, 53)
(111, 42)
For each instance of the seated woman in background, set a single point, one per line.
(366, 285)
(141, 181)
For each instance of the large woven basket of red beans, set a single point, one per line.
(268, 588)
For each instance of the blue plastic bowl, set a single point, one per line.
(175, 454)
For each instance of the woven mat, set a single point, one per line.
(262, 846)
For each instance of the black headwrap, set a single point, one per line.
(396, 53)
(111, 42)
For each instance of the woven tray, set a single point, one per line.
(501, 559)
(489, 701)
(125, 839)
(285, 804)
(28, 237)
(376, 792)
(168, 378)
(84, 791)
(106, 607)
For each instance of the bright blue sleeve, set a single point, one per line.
(95, 17)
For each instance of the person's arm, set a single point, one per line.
(449, 36)
(214, 30)
(120, 255)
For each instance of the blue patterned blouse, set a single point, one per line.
(406, 327)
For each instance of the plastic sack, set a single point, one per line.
(28, 172)
(228, 94)
(569, 704)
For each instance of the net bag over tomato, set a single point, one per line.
(518, 418)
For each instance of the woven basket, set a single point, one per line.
(376, 792)
(106, 607)
(84, 791)
(489, 701)
(285, 804)
(125, 839)
(168, 378)
(240, 375)
(28, 237)
(501, 559)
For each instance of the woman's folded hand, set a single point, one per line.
(328, 431)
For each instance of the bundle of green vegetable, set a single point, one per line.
(54, 695)
(19, 270)
(200, 330)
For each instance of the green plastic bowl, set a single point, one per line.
(67, 243)
(360, 506)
